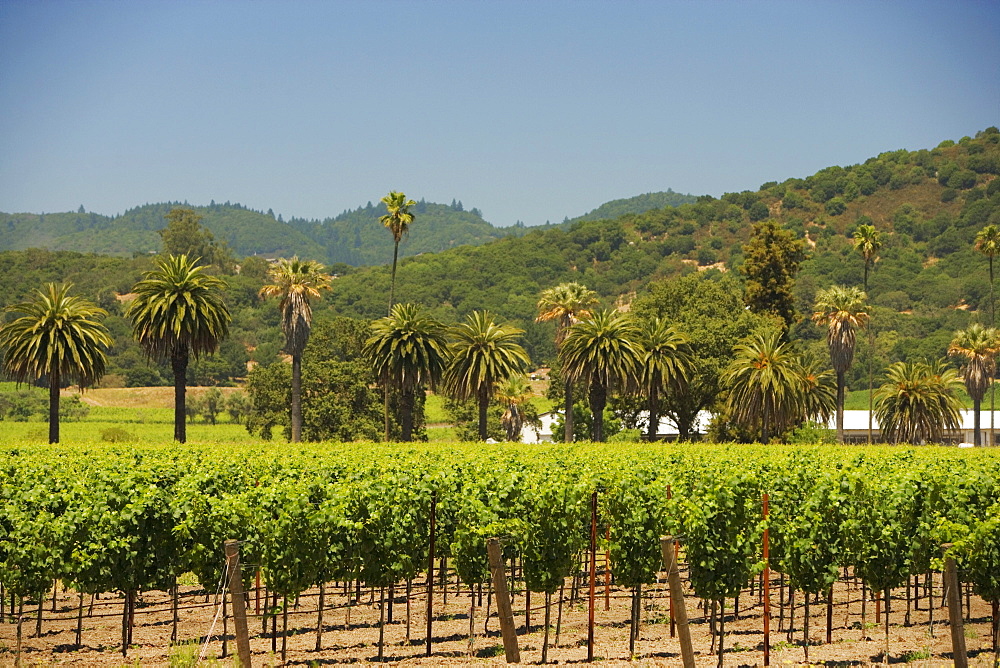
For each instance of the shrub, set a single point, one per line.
(836, 206)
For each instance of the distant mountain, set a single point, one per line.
(355, 237)
(247, 232)
(617, 208)
(358, 238)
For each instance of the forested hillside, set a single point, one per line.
(245, 231)
(355, 237)
(927, 282)
(638, 204)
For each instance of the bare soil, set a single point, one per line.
(351, 631)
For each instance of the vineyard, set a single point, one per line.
(339, 539)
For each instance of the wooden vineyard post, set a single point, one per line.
(430, 574)
(593, 575)
(673, 618)
(504, 610)
(677, 596)
(239, 604)
(767, 585)
(607, 569)
(958, 653)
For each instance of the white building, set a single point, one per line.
(855, 428)
(665, 431)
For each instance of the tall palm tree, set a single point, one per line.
(667, 364)
(988, 243)
(296, 282)
(482, 354)
(58, 336)
(565, 304)
(767, 385)
(398, 221)
(842, 310)
(868, 242)
(408, 350)
(178, 311)
(513, 393)
(918, 402)
(978, 346)
(605, 352)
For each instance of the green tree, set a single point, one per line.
(296, 282)
(711, 312)
(565, 304)
(665, 367)
(842, 310)
(605, 352)
(178, 311)
(267, 395)
(408, 351)
(398, 221)
(918, 402)
(58, 336)
(771, 258)
(482, 354)
(978, 346)
(767, 388)
(185, 235)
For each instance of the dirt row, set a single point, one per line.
(350, 630)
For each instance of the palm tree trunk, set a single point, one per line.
(976, 432)
(840, 407)
(871, 357)
(598, 399)
(54, 406)
(569, 412)
(385, 412)
(296, 397)
(406, 408)
(392, 282)
(179, 364)
(654, 418)
(484, 402)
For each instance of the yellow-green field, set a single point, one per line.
(147, 414)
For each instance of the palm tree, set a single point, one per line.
(819, 391)
(605, 352)
(979, 346)
(843, 310)
(918, 402)
(178, 311)
(482, 354)
(296, 282)
(397, 220)
(868, 242)
(513, 393)
(988, 243)
(58, 336)
(767, 385)
(566, 304)
(667, 364)
(408, 350)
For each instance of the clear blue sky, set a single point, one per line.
(529, 111)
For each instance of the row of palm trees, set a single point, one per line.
(177, 312)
